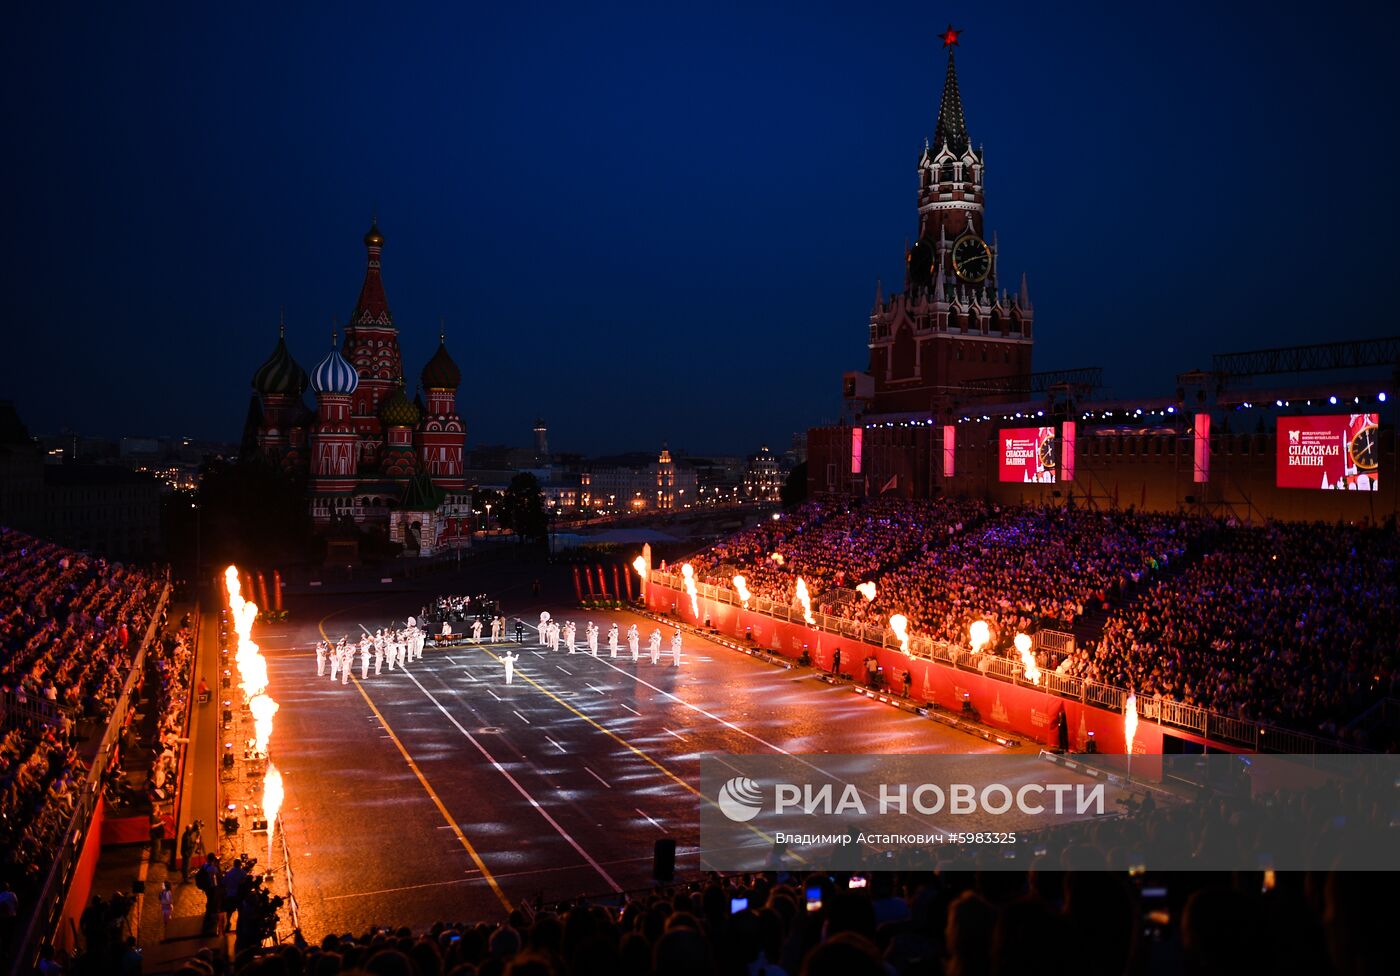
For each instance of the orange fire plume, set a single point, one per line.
(1130, 721)
(805, 598)
(980, 635)
(688, 575)
(1028, 665)
(777, 557)
(271, 804)
(867, 590)
(741, 587)
(263, 708)
(640, 565)
(899, 623)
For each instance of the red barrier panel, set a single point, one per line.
(1029, 713)
(628, 576)
(262, 592)
(277, 589)
(80, 888)
(578, 587)
(617, 584)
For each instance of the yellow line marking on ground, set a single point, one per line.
(423, 780)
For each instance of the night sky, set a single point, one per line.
(666, 222)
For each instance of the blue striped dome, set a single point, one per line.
(335, 375)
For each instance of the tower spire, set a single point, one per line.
(951, 129)
(372, 308)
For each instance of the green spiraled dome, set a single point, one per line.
(441, 373)
(397, 411)
(280, 374)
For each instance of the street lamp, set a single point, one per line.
(487, 530)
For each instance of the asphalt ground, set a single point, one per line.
(440, 792)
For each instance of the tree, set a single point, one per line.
(794, 490)
(522, 507)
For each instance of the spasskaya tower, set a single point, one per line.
(953, 323)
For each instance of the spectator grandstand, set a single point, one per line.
(70, 629)
(1296, 624)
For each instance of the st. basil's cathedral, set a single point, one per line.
(372, 458)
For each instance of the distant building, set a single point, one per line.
(102, 508)
(764, 479)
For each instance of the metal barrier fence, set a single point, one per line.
(48, 905)
(1219, 728)
(15, 708)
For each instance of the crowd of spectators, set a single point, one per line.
(1030, 567)
(1297, 624)
(70, 626)
(957, 923)
(834, 547)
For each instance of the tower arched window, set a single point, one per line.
(954, 319)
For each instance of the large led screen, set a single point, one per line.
(1028, 455)
(1337, 452)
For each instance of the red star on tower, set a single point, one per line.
(950, 37)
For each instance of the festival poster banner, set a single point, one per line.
(1336, 452)
(1027, 455)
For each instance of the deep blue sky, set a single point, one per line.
(665, 222)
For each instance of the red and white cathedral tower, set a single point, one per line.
(372, 347)
(441, 436)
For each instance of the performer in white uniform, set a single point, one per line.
(612, 640)
(476, 631)
(634, 642)
(544, 628)
(335, 661)
(320, 659)
(676, 648)
(592, 638)
(509, 659)
(378, 655)
(655, 645)
(364, 658)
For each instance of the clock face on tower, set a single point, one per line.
(972, 258)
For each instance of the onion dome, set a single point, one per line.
(334, 375)
(441, 373)
(397, 411)
(372, 237)
(280, 374)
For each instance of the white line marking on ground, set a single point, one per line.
(669, 732)
(519, 789)
(521, 717)
(597, 777)
(488, 690)
(653, 822)
(570, 673)
(598, 690)
(629, 708)
(555, 744)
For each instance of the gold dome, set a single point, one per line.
(373, 238)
